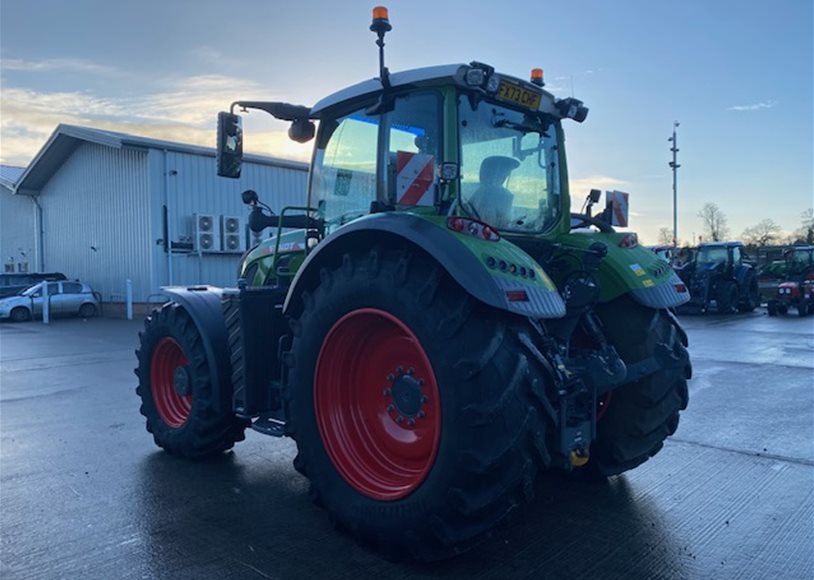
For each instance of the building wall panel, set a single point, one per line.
(17, 227)
(96, 220)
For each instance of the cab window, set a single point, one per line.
(344, 171)
(414, 149)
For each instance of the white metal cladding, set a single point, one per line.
(17, 222)
(192, 186)
(96, 220)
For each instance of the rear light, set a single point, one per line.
(629, 241)
(680, 288)
(517, 296)
(473, 227)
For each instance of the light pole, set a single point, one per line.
(674, 166)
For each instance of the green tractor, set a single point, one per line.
(434, 327)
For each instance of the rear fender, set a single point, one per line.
(203, 304)
(465, 258)
(637, 271)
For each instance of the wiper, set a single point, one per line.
(524, 127)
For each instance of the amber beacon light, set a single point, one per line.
(537, 77)
(381, 20)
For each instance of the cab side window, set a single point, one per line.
(414, 149)
(344, 174)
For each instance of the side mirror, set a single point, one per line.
(594, 195)
(229, 154)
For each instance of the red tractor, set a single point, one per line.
(797, 291)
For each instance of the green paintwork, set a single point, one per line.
(501, 249)
(289, 243)
(623, 269)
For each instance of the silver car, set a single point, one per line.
(64, 298)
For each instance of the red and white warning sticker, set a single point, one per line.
(414, 178)
(617, 201)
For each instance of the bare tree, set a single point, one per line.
(665, 236)
(805, 233)
(714, 222)
(764, 232)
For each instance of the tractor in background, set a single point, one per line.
(720, 277)
(433, 327)
(797, 288)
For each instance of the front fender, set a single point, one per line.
(203, 304)
(465, 258)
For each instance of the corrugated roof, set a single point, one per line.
(66, 138)
(9, 174)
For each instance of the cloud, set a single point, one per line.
(582, 186)
(184, 111)
(753, 107)
(57, 64)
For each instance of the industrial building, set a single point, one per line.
(16, 224)
(107, 207)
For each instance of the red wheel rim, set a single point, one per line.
(174, 409)
(377, 404)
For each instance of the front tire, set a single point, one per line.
(639, 416)
(417, 411)
(20, 314)
(184, 412)
(752, 299)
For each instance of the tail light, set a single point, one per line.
(473, 227)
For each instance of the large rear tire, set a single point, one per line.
(726, 296)
(639, 416)
(184, 411)
(419, 414)
(752, 298)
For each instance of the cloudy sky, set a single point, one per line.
(737, 74)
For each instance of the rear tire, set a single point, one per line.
(639, 415)
(726, 296)
(185, 414)
(484, 392)
(752, 299)
(771, 308)
(20, 314)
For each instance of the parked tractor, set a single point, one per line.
(719, 277)
(427, 327)
(797, 289)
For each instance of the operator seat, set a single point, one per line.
(492, 201)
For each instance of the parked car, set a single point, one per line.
(64, 298)
(14, 283)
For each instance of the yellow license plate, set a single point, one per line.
(518, 95)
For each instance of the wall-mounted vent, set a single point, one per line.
(207, 234)
(232, 235)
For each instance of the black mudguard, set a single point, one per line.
(203, 303)
(461, 264)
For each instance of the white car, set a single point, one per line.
(68, 297)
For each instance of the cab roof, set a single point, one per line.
(432, 75)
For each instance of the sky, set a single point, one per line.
(737, 75)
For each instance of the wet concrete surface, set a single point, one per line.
(85, 494)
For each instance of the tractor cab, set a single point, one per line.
(447, 140)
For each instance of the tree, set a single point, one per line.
(714, 222)
(805, 234)
(761, 234)
(665, 236)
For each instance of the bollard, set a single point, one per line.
(129, 286)
(46, 304)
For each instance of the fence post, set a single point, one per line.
(46, 303)
(129, 291)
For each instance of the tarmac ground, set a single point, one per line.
(84, 493)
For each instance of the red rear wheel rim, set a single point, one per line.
(377, 404)
(174, 409)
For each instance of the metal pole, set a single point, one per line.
(129, 294)
(46, 304)
(674, 166)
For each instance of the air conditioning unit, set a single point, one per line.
(207, 234)
(231, 232)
